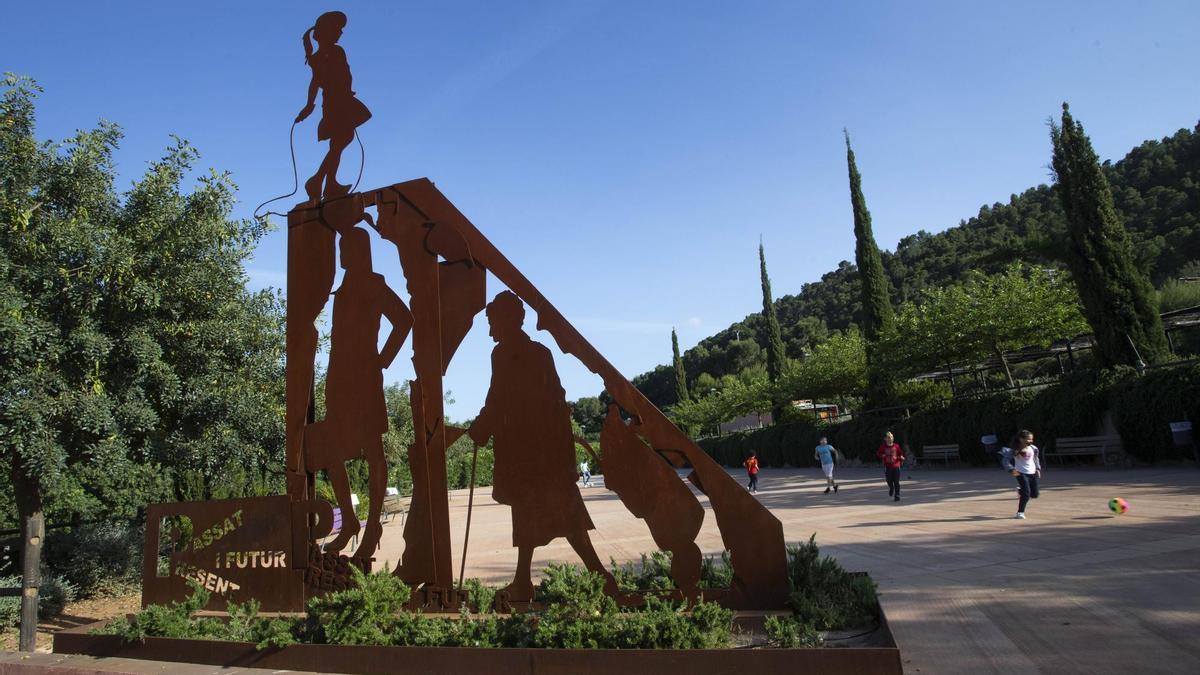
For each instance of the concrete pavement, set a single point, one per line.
(1072, 589)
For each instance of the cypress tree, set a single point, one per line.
(775, 351)
(1117, 299)
(877, 314)
(681, 390)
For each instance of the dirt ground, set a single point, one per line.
(75, 614)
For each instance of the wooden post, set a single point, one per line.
(35, 531)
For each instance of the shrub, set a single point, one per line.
(178, 620)
(788, 633)
(373, 612)
(1143, 407)
(824, 594)
(654, 573)
(361, 615)
(482, 596)
(580, 615)
(53, 596)
(716, 573)
(100, 559)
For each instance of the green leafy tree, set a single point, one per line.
(588, 412)
(985, 316)
(681, 388)
(776, 357)
(737, 396)
(836, 368)
(1117, 298)
(136, 365)
(877, 314)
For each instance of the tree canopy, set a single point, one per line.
(987, 315)
(136, 366)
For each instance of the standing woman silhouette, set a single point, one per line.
(341, 112)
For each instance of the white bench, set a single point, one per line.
(942, 452)
(1087, 446)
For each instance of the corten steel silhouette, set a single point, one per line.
(356, 414)
(341, 112)
(443, 257)
(527, 415)
(652, 491)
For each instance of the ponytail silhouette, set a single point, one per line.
(308, 48)
(341, 112)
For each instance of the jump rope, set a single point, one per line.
(362, 161)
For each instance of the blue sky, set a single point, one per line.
(628, 155)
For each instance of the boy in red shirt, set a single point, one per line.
(752, 470)
(892, 456)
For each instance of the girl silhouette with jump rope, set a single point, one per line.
(341, 112)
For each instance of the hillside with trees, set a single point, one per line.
(1155, 190)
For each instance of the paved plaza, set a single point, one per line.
(1072, 589)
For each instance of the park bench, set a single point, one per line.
(394, 505)
(942, 452)
(1086, 446)
(337, 528)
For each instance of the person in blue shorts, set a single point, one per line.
(826, 453)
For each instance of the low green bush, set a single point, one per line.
(178, 620)
(101, 559)
(654, 572)
(824, 594)
(716, 573)
(53, 596)
(1143, 408)
(577, 614)
(790, 633)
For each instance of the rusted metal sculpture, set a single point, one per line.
(527, 415)
(341, 112)
(356, 415)
(445, 261)
(443, 257)
(652, 491)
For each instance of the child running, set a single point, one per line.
(751, 465)
(826, 454)
(1026, 467)
(893, 456)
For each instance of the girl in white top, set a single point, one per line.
(1026, 466)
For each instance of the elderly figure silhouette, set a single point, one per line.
(356, 414)
(341, 112)
(527, 415)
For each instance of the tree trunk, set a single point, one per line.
(29, 508)
(1004, 362)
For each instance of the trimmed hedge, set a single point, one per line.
(1076, 405)
(1142, 408)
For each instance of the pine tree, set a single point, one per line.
(775, 351)
(681, 390)
(1117, 299)
(877, 314)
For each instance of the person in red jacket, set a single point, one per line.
(892, 456)
(751, 465)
